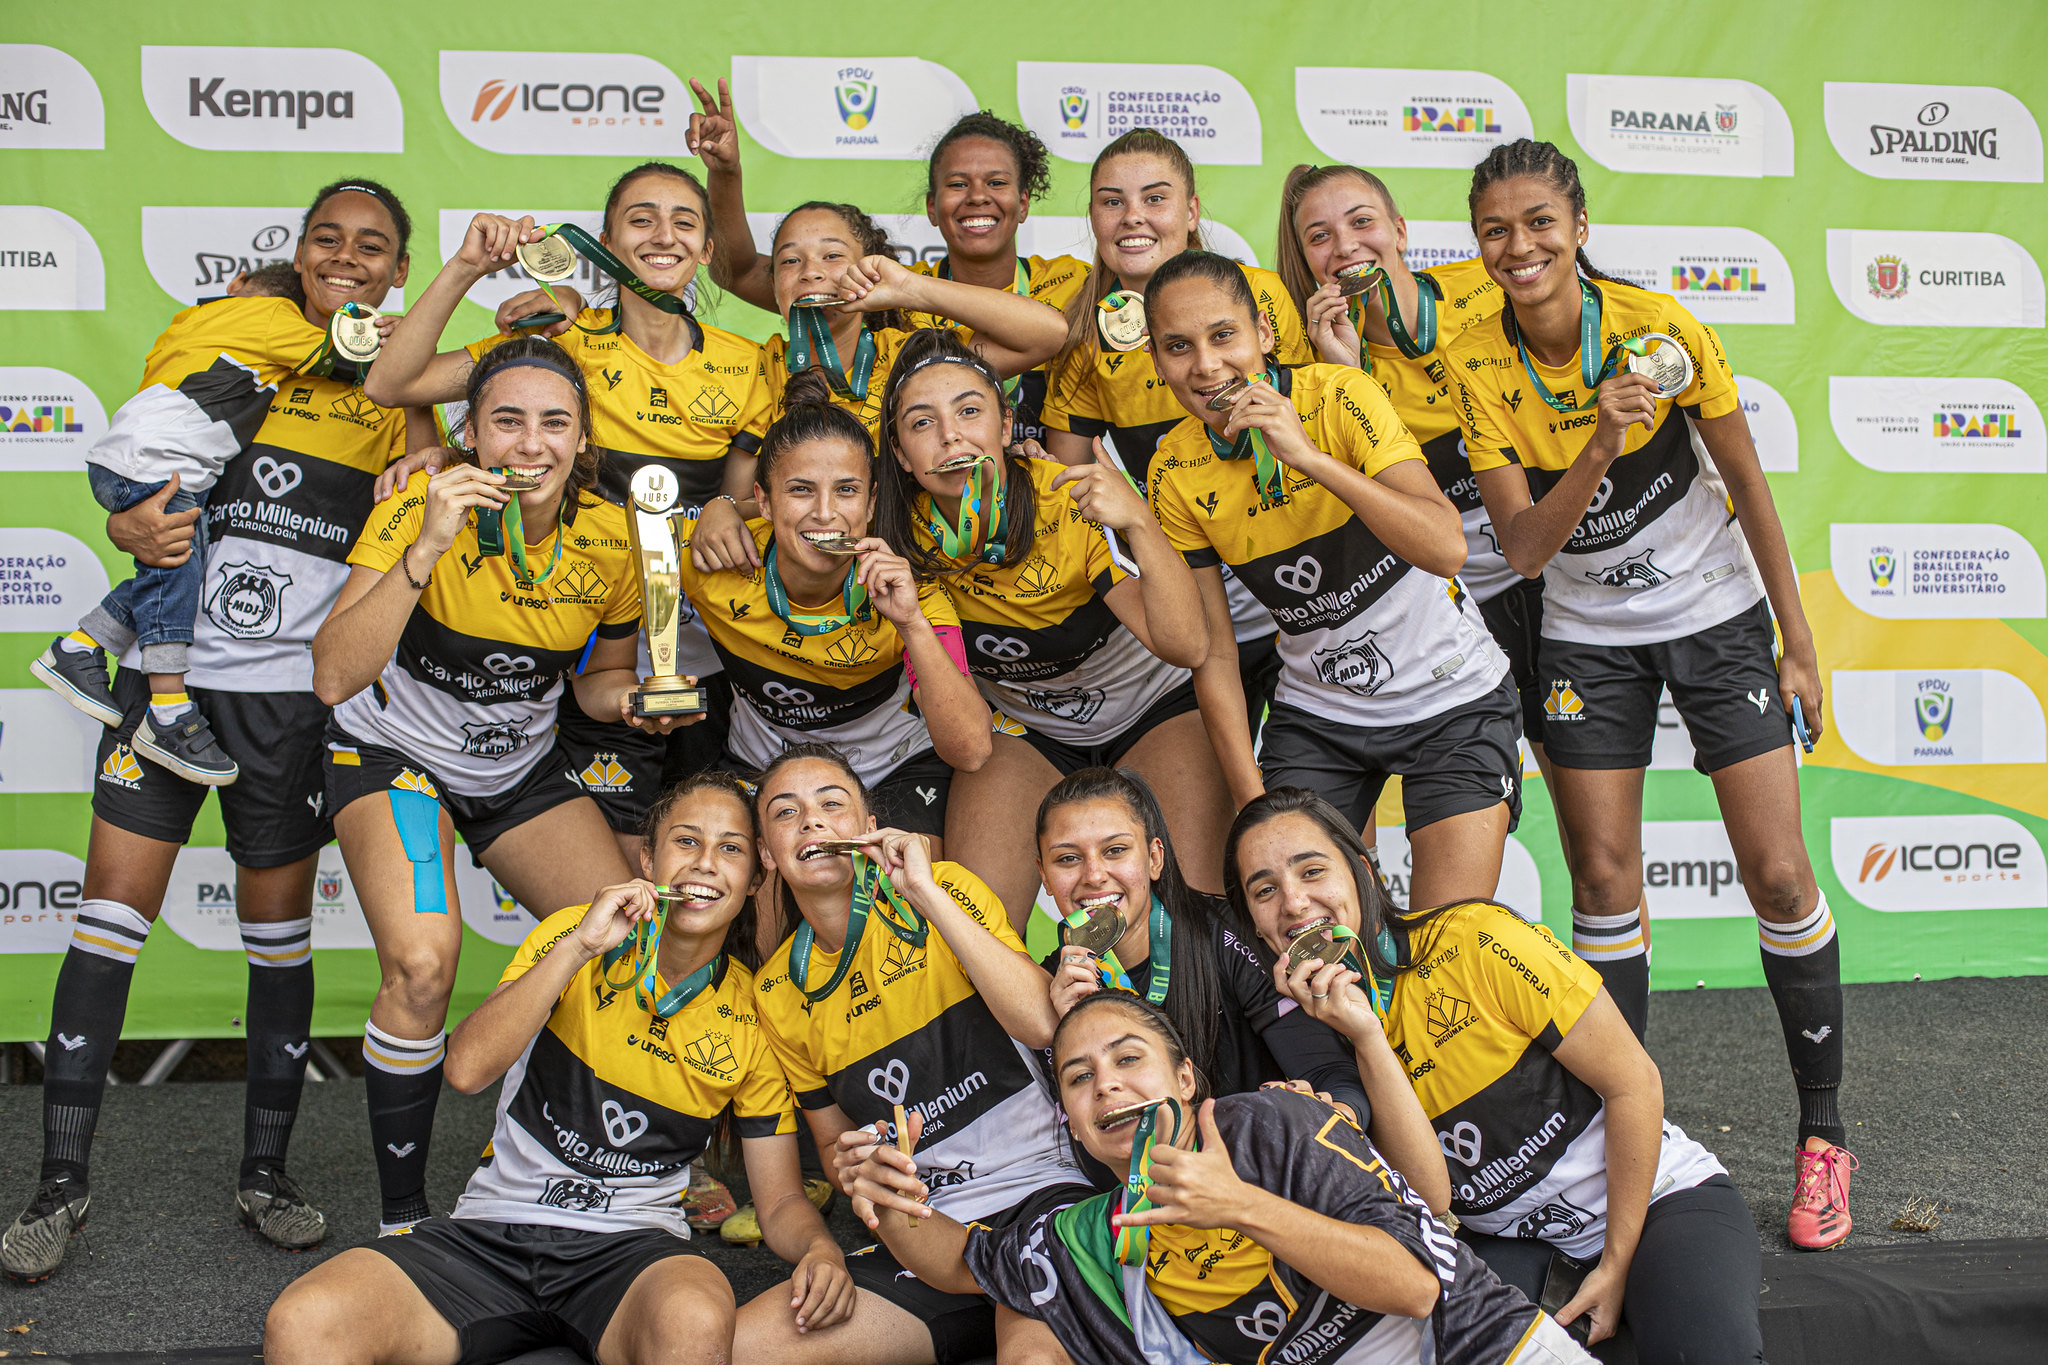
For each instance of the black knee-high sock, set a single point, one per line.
(86, 1012)
(1615, 947)
(402, 1081)
(280, 1017)
(1803, 964)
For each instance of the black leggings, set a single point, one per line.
(1692, 1287)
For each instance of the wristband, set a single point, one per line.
(406, 568)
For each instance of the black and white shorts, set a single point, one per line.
(1600, 701)
(276, 813)
(1068, 759)
(356, 769)
(1514, 617)
(510, 1288)
(625, 770)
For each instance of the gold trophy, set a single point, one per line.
(659, 559)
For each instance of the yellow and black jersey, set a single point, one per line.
(1041, 641)
(1489, 999)
(290, 461)
(484, 661)
(848, 687)
(1119, 396)
(601, 1116)
(1051, 282)
(1214, 1294)
(1425, 395)
(905, 1026)
(868, 406)
(1366, 638)
(1656, 556)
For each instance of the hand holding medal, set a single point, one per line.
(1325, 971)
(1195, 1187)
(886, 1175)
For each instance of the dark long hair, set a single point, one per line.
(799, 753)
(897, 489)
(1081, 308)
(546, 354)
(1196, 998)
(1148, 1016)
(809, 414)
(740, 933)
(1375, 907)
(1542, 160)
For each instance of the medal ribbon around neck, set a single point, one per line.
(1589, 346)
(326, 361)
(600, 256)
(972, 539)
(502, 531)
(1252, 442)
(853, 595)
(1160, 953)
(1021, 288)
(868, 881)
(1414, 346)
(1134, 1245)
(638, 951)
(1380, 993)
(811, 347)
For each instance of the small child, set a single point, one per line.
(156, 608)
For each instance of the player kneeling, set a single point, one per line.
(622, 1030)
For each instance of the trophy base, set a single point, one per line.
(668, 697)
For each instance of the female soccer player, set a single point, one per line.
(664, 390)
(1549, 1110)
(1645, 586)
(570, 1235)
(273, 553)
(1078, 617)
(1250, 1228)
(902, 990)
(1306, 483)
(446, 657)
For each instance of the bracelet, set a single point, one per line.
(405, 568)
(724, 497)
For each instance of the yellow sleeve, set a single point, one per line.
(545, 935)
(1713, 383)
(1056, 281)
(757, 409)
(1486, 447)
(937, 604)
(1533, 981)
(622, 604)
(762, 1104)
(1290, 336)
(1104, 572)
(975, 897)
(1073, 393)
(1363, 427)
(393, 525)
(805, 1080)
(1177, 518)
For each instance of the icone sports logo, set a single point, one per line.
(39, 893)
(1938, 862)
(1397, 116)
(576, 104)
(1932, 132)
(242, 99)
(48, 100)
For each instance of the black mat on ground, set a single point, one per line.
(1942, 1101)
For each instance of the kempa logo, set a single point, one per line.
(579, 104)
(1939, 862)
(239, 99)
(47, 99)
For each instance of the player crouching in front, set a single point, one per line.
(622, 1029)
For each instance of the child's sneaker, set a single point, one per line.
(187, 747)
(78, 674)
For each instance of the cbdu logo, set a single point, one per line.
(1934, 709)
(856, 92)
(1074, 107)
(1883, 565)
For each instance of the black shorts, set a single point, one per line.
(963, 1326)
(275, 813)
(361, 769)
(624, 770)
(1070, 758)
(1258, 670)
(911, 798)
(1724, 681)
(1515, 619)
(510, 1288)
(1452, 764)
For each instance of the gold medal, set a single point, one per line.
(1100, 929)
(1666, 365)
(1120, 320)
(549, 260)
(816, 301)
(1124, 1113)
(1228, 394)
(959, 464)
(517, 483)
(826, 848)
(1354, 280)
(353, 332)
(1310, 946)
(834, 544)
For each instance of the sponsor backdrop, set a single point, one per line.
(1862, 217)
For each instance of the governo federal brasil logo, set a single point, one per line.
(856, 94)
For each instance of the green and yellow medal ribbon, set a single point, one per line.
(638, 951)
(975, 537)
(1413, 345)
(1134, 1245)
(811, 347)
(871, 888)
(1251, 442)
(1114, 977)
(853, 596)
(502, 531)
(1589, 346)
(598, 255)
(1379, 992)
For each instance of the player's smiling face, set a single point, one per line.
(349, 254)
(1343, 225)
(800, 804)
(812, 251)
(820, 490)
(529, 421)
(1096, 852)
(1107, 1062)
(1204, 338)
(947, 413)
(705, 851)
(1529, 238)
(1142, 211)
(661, 230)
(1295, 879)
(978, 199)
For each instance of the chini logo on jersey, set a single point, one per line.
(1938, 862)
(1078, 108)
(48, 261)
(891, 108)
(1933, 132)
(267, 99)
(1676, 125)
(48, 100)
(1906, 717)
(493, 289)
(48, 579)
(1405, 116)
(39, 894)
(48, 419)
(1937, 570)
(1935, 279)
(1938, 426)
(566, 103)
(1720, 274)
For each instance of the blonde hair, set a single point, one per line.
(1081, 308)
(1290, 261)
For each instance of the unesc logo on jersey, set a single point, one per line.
(1937, 570)
(1078, 108)
(48, 261)
(1933, 132)
(1939, 862)
(1720, 274)
(574, 104)
(1906, 718)
(1935, 279)
(1400, 116)
(48, 419)
(869, 107)
(1679, 126)
(263, 99)
(1937, 426)
(48, 100)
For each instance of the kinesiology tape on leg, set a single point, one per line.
(418, 817)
